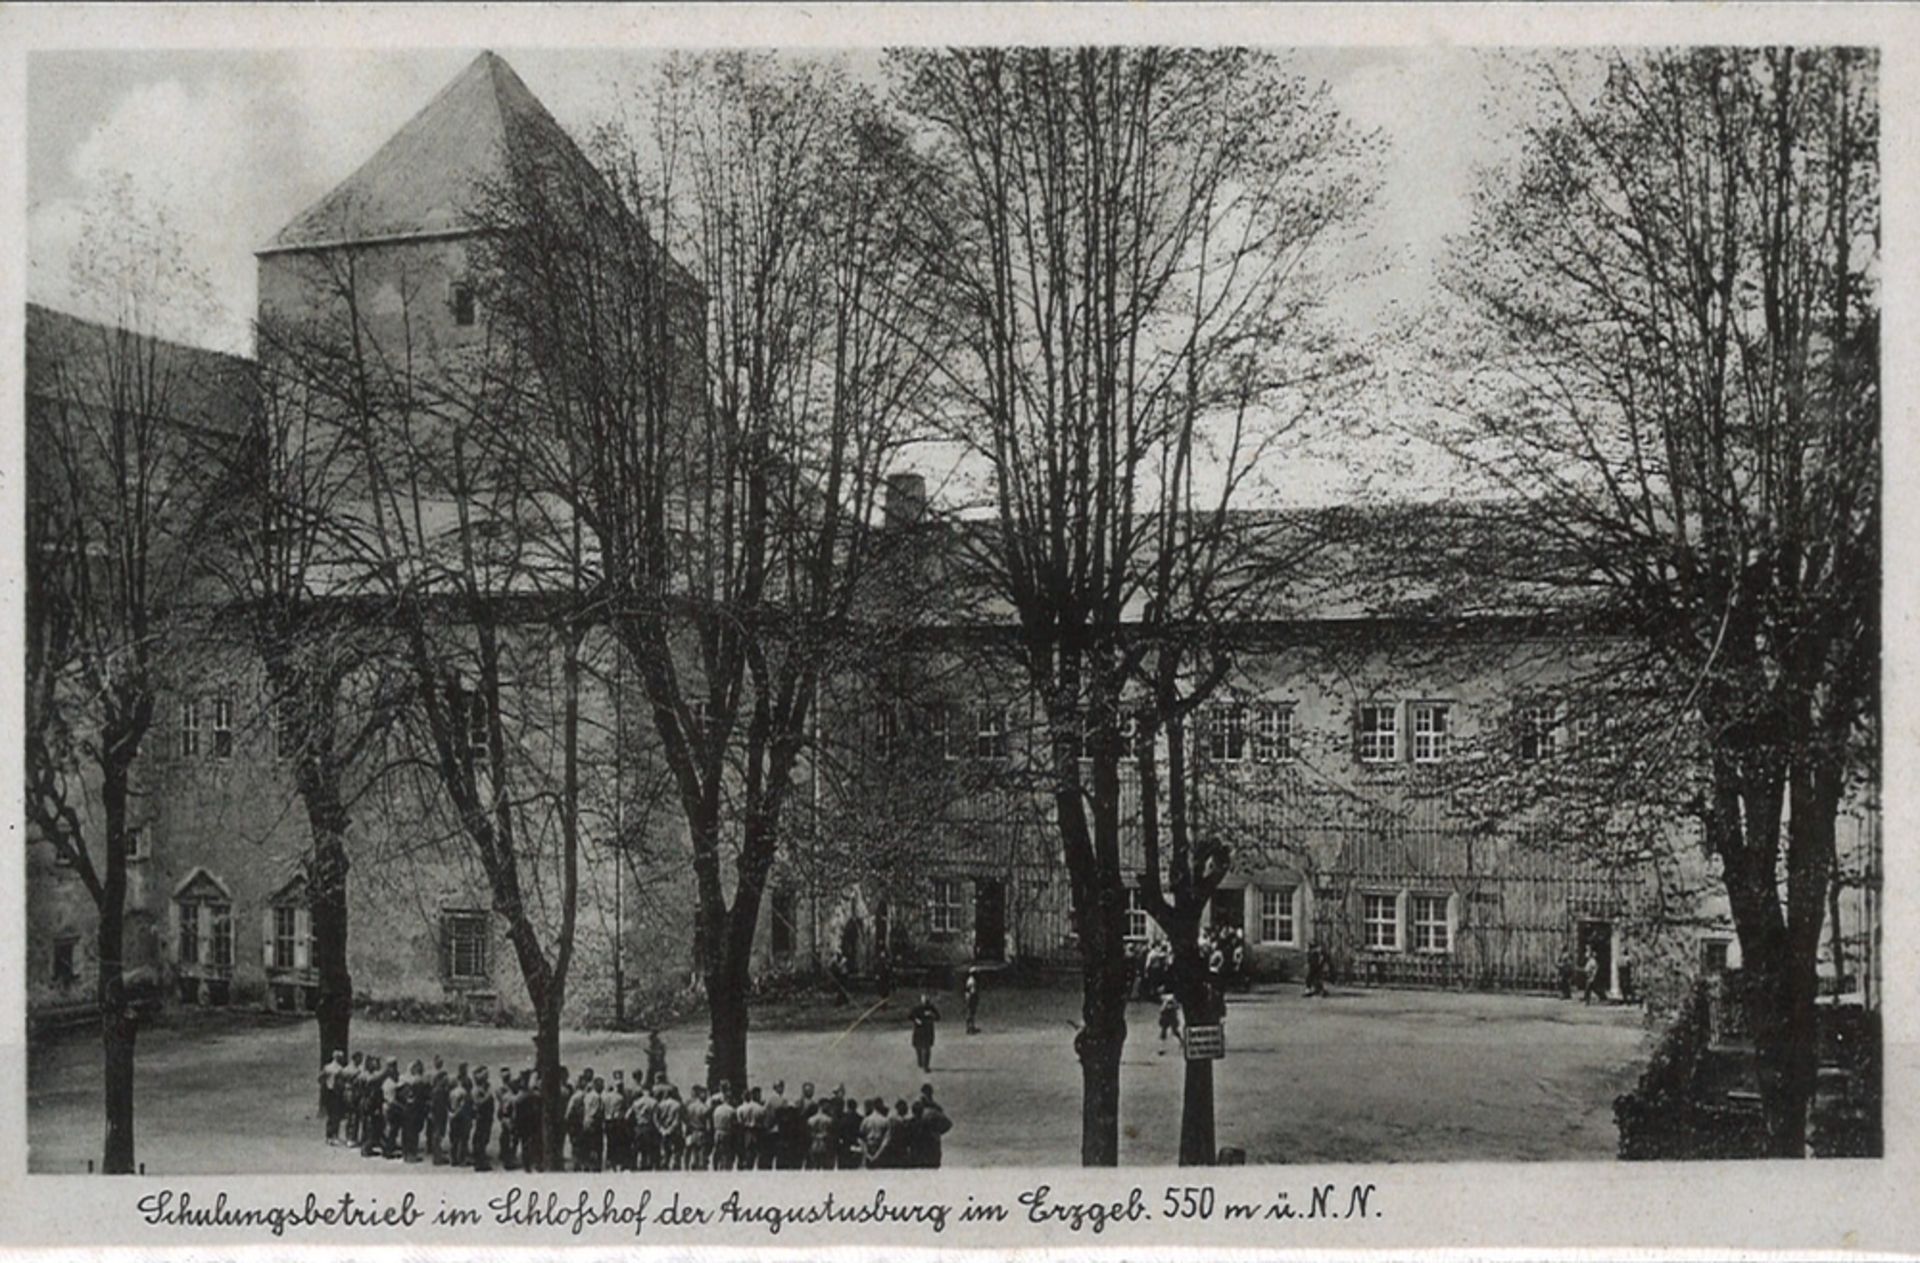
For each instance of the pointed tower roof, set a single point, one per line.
(423, 180)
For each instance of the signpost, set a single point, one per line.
(1206, 1043)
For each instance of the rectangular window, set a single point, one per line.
(1138, 921)
(1539, 731)
(989, 732)
(64, 952)
(1379, 733)
(886, 731)
(1430, 927)
(1227, 733)
(1276, 916)
(187, 950)
(1380, 915)
(136, 842)
(220, 938)
(1713, 956)
(223, 727)
(285, 928)
(1273, 733)
(190, 728)
(943, 911)
(463, 304)
(465, 934)
(1432, 726)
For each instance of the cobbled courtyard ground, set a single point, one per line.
(1362, 1076)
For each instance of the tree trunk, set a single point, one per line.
(1197, 1005)
(727, 1023)
(546, 1064)
(328, 906)
(1103, 1034)
(117, 1025)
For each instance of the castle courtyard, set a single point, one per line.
(1361, 1076)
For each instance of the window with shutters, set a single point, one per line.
(1139, 921)
(204, 928)
(223, 727)
(465, 937)
(1432, 928)
(1379, 733)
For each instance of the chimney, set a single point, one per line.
(906, 501)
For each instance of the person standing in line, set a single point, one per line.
(350, 1099)
(752, 1120)
(724, 1121)
(529, 1108)
(459, 1117)
(699, 1127)
(593, 1126)
(820, 1136)
(505, 1102)
(333, 1077)
(1591, 972)
(973, 1001)
(934, 1124)
(874, 1134)
(669, 1127)
(848, 1147)
(924, 1017)
(483, 1110)
(647, 1154)
(900, 1134)
(415, 1099)
(438, 1103)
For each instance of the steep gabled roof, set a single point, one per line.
(424, 179)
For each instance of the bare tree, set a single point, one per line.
(733, 419)
(122, 427)
(322, 638)
(1667, 361)
(1124, 234)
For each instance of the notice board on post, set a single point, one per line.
(1206, 1043)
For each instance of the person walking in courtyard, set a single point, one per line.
(1316, 971)
(1169, 1018)
(972, 990)
(924, 1018)
(656, 1059)
(1591, 972)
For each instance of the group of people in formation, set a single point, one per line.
(466, 1117)
(1223, 948)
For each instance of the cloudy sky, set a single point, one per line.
(232, 145)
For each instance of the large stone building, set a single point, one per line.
(1342, 765)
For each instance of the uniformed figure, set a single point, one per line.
(933, 1124)
(618, 1104)
(972, 990)
(576, 1116)
(333, 1087)
(418, 1102)
(725, 1123)
(438, 1103)
(505, 1101)
(656, 1058)
(645, 1139)
(669, 1127)
(459, 1117)
(699, 1128)
(350, 1097)
(373, 1129)
(529, 1110)
(923, 1016)
(847, 1145)
(820, 1136)
(751, 1118)
(483, 1109)
(393, 1097)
